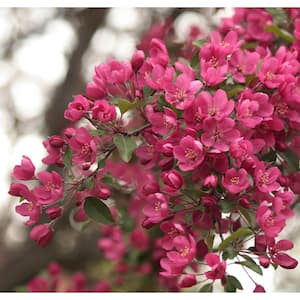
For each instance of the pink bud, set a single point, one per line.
(85, 166)
(54, 269)
(167, 149)
(137, 59)
(56, 141)
(42, 234)
(188, 281)
(211, 181)
(69, 132)
(151, 188)
(173, 180)
(147, 224)
(54, 212)
(80, 216)
(104, 193)
(25, 171)
(259, 289)
(264, 261)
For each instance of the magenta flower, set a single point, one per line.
(54, 154)
(259, 289)
(83, 146)
(77, 108)
(213, 64)
(187, 281)
(29, 209)
(297, 29)
(251, 112)
(159, 77)
(281, 204)
(219, 134)
(257, 20)
(235, 181)
(266, 179)
(279, 258)
(216, 106)
(158, 53)
(54, 212)
(271, 225)
(25, 171)
(218, 267)
(228, 44)
(269, 73)
(52, 189)
(243, 63)
(156, 208)
(185, 250)
(189, 153)
(182, 92)
(42, 234)
(103, 111)
(171, 230)
(162, 122)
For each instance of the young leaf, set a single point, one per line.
(126, 146)
(98, 211)
(124, 105)
(280, 33)
(240, 233)
(67, 157)
(252, 265)
(206, 288)
(199, 43)
(232, 284)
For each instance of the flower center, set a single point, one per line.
(185, 251)
(157, 205)
(85, 149)
(180, 95)
(190, 154)
(270, 221)
(50, 187)
(270, 75)
(214, 62)
(264, 179)
(235, 180)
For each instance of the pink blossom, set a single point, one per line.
(29, 209)
(103, 111)
(257, 20)
(271, 225)
(280, 258)
(266, 179)
(83, 146)
(243, 63)
(228, 44)
(252, 109)
(235, 181)
(189, 153)
(269, 73)
(42, 234)
(156, 208)
(213, 64)
(54, 154)
(171, 230)
(77, 108)
(158, 53)
(162, 122)
(216, 106)
(159, 77)
(25, 171)
(219, 134)
(137, 59)
(218, 267)
(181, 93)
(52, 189)
(281, 204)
(297, 29)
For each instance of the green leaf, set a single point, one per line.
(270, 156)
(206, 288)
(280, 33)
(199, 43)
(101, 164)
(249, 215)
(232, 284)
(124, 104)
(279, 15)
(98, 211)
(229, 253)
(227, 206)
(126, 146)
(67, 157)
(89, 183)
(97, 132)
(252, 265)
(236, 90)
(240, 233)
(292, 159)
(21, 199)
(111, 181)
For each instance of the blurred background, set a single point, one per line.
(47, 55)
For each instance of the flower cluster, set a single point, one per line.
(197, 158)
